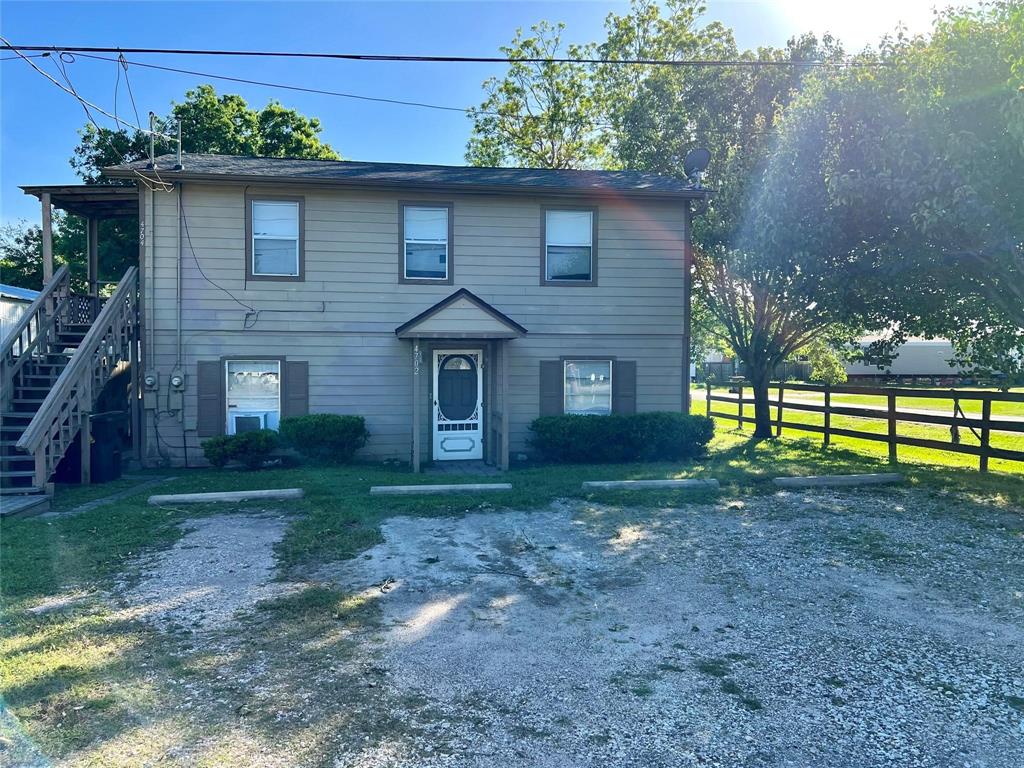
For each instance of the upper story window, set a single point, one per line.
(275, 238)
(426, 243)
(569, 250)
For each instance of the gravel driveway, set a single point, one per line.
(819, 629)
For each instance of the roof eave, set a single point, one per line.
(684, 194)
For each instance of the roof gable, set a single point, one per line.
(463, 315)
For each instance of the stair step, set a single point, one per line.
(28, 400)
(13, 415)
(27, 504)
(9, 490)
(5, 475)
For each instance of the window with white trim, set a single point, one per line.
(253, 394)
(568, 246)
(587, 387)
(275, 238)
(426, 246)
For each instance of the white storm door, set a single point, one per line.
(458, 404)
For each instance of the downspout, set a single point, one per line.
(177, 290)
(687, 303)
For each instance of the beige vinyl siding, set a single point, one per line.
(341, 319)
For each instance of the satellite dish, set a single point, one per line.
(695, 163)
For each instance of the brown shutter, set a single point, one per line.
(210, 409)
(551, 401)
(624, 387)
(295, 389)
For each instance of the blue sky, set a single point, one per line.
(39, 123)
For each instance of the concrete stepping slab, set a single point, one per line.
(409, 490)
(203, 498)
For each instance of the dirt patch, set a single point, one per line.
(804, 629)
(222, 565)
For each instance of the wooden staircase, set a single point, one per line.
(53, 365)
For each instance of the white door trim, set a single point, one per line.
(459, 439)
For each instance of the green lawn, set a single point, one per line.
(88, 676)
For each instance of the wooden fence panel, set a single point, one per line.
(982, 426)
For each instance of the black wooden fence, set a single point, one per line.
(981, 426)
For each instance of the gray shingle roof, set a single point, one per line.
(408, 175)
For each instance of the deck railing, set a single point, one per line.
(108, 346)
(30, 339)
(980, 426)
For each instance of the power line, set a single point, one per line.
(446, 59)
(84, 102)
(283, 86)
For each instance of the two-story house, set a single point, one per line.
(449, 306)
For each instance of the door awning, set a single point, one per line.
(463, 315)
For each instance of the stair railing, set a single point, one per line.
(35, 331)
(104, 350)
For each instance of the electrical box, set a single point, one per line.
(150, 390)
(176, 391)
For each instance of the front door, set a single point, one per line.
(458, 404)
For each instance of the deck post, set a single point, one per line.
(94, 261)
(47, 233)
(503, 458)
(417, 362)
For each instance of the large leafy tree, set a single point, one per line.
(211, 123)
(540, 115)
(760, 300)
(921, 164)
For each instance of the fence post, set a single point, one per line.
(986, 416)
(892, 427)
(828, 415)
(778, 414)
(707, 390)
(739, 388)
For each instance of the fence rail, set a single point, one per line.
(981, 426)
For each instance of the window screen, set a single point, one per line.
(568, 247)
(253, 394)
(275, 238)
(426, 243)
(588, 387)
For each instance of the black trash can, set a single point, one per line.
(108, 430)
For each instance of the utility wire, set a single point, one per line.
(319, 91)
(84, 102)
(283, 86)
(446, 59)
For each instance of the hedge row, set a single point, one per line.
(325, 437)
(653, 436)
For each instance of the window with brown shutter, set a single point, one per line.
(210, 416)
(624, 387)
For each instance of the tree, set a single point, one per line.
(826, 363)
(211, 123)
(923, 167)
(759, 298)
(539, 115)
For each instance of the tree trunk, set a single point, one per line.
(762, 407)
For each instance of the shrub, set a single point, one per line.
(250, 448)
(253, 448)
(325, 436)
(217, 450)
(655, 436)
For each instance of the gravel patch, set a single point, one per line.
(819, 628)
(223, 565)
